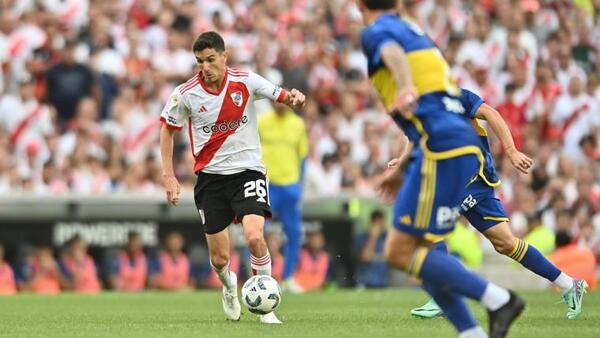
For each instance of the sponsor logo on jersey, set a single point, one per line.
(276, 91)
(171, 120)
(237, 98)
(225, 125)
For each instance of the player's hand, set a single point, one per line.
(388, 184)
(520, 161)
(173, 189)
(406, 100)
(296, 99)
(393, 163)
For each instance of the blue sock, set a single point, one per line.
(445, 271)
(454, 307)
(533, 260)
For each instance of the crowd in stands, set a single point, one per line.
(83, 83)
(135, 268)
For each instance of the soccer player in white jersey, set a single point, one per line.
(217, 104)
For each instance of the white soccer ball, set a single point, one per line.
(261, 294)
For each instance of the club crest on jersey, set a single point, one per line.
(237, 98)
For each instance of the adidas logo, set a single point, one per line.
(203, 109)
(406, 219)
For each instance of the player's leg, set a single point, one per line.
(435, 215)
(431, 309)
(507, 244)
(291, 218)
(218, 249)
(260, 259)
(250, 205)
(216, 215)
(457, 312)
(486, 213)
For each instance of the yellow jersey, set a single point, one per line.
(284, 144)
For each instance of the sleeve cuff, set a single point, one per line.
(282, 95)
(168, 125)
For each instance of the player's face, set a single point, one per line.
(212, 64)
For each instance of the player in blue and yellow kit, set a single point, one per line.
(414, 83)
(485, 211)
(285, 147)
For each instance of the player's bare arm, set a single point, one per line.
(390, 181)
(405, 149)
(519, 160)
(166, 151)
(394, 58)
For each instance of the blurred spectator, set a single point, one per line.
(574, 116)
(171, 269)
(514, 115)
(465, 244)
(285, 148)
(538, 235)
(313, 265)
(68, 82)
(78, 268)
(576, 261)
(28, 124)
(129, 269)
(41, 273)
(372, 268)
(7, 276)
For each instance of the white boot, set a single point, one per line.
(269, 318)
(231, 305)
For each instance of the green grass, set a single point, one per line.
(366, 314)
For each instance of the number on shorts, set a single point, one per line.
(256, 188)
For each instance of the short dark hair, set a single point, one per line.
(379, 4)
(377, 214)
(562, 239)
(208, 40)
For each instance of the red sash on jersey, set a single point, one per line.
(133, 143)
(559, 131)
(22, 126)
(84, 275)
(7, 280)
(174, 273)
(132, 276)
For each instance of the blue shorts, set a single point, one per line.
(427, 205)
(481, 206)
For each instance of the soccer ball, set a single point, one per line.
(261, 294)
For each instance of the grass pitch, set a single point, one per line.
(364, 314)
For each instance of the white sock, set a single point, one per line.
(494, 297)
(262, 265)
(223, 274)
(564, 281)
(474, 332)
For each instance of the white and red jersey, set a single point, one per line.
(222, 125)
